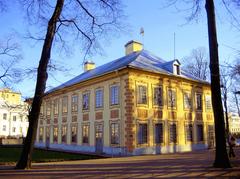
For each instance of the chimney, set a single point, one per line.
(133, 46)
(89, 65)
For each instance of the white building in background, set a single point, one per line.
(234, 123)
(13, 114)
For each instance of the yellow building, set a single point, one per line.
(137, 104)
(13, 114)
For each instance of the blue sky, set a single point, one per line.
(159, 25)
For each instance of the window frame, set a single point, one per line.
(114, 134)
(199, 108)
(142, 139)
(4, 116)
(56, 106)
(188, 94)
(200, 138)
(84, 95)
(170, 99)
(99, 98)
(65, 104)
(114, 95)
(161, 139)
(142, 96)
(154, 96)
(74, 103)
(176, 133)
(64, 130)
(86, 132)
(74, 126)
(189, 132)
(208, 102)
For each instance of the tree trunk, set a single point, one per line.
(221, 156)
(26, 155)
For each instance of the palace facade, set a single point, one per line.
(137, 104)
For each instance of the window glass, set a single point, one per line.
(64, 134)
(65, 104)
(114, 133)
(4, 128)
(74, 134)
(85, 135)
(74, 103)
(189, 132)
(4, 116)
(171, 98)
(142, 94)
(86, 101)
(114, 96)
(208, 102)
(99, 98)
(55, 134)
(199, 101)
(199, 132)
(55, 104)
(143, 134)
(158, 133)
(187, 101)
(157, 96)
(173, 133)
(48, 108)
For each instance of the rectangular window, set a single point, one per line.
(199, 101)
(64, 134)
(199, 132)
(14, 129)
(48, 108)
(74, 134)
(142, 134)
(114, 95)
(158, 133)
(157, 96)
(142, 94)
(208, 102)
(41, 134)
(114, 133)
(99, 98)
(86, 101)
(55, 106)
(173, 133)
(74, 103)
(171, 98)
(4, 116)
(14, 118)
(4, 128)
(187, 100)
(85, 130)
(65, 104)
(55, 134)
(189, 132)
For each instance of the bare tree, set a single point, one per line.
(195, 7)
(87, 21)
(197, 63)
(10, 55)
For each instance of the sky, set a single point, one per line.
(159, 25)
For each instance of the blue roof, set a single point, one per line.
(143, 60)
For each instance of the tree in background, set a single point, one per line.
(197, 63)
(85, 22)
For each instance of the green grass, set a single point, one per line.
(12, 154)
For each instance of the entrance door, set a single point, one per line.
(99, 138)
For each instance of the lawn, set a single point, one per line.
(12, 154)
